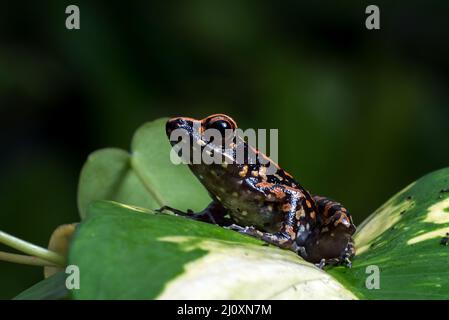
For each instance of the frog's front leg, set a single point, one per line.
(280, 239)
(214, 213)
(297, 225)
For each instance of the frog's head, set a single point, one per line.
(214, 133)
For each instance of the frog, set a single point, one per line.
(270, 205)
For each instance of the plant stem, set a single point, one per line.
(23, 259)
(31, 249)
(136, 167)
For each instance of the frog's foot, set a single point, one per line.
(189, 213)
(344, 259)
(348, 254)
(214, 213)
(236, 227)
(328, 262)
(204, 215)
(174, 211)
(279, 239)
(334, 262)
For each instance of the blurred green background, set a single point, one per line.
(360, 113)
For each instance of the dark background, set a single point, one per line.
(360, 113)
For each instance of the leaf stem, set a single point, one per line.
(31, 249)
(23, 259)
(136, 167)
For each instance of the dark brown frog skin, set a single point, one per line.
(273, 207)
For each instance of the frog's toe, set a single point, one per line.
(235, 227)
(347, 263)
(177, 212)
(163, 208)
(249, 231)
(321, 264)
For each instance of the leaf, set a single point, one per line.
(107, 174)
(167, 257)
(145, 177)
(51, 288)
(130, 253)
(403, 238)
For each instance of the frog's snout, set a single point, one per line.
(172, 124)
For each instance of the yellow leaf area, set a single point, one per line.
(241, 271)
(403, 239)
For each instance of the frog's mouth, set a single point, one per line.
(182, 134)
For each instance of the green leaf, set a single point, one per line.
(52, 288)
(145, 177)
(403, 238)
(167, 257)
(130, 253)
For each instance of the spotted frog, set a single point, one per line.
(271, 206)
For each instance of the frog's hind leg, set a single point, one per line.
(332, 243)
(214, 213)
(332, 214)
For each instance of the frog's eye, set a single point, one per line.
(221, 125)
